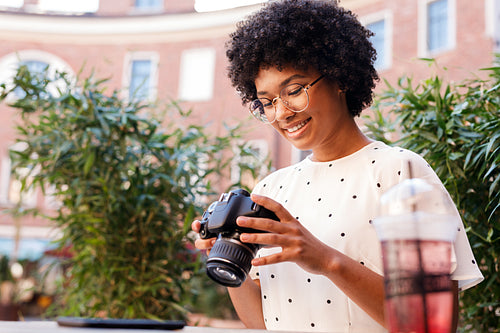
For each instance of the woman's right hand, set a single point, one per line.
(202, 244)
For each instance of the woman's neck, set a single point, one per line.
(343, 146)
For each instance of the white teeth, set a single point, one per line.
(296, 128)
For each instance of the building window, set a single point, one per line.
(36, 68)
(380, 23)
(437, 25)
(148, 4)
(379, 43)
(11, 192)
(11, 3)
(37, 62)
(87, 6)
(492, 20)
(140, 79)
(196, 81)
(141, 76)
(438, 22)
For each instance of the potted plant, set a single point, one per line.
(129, 187)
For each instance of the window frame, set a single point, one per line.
(27, 200)
(492, 22)
(130, 57)
(185, 92)
(10, 63)
(423, 23)
(387, 17)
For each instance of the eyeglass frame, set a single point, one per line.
(275, 99)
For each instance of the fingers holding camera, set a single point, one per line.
(285, 224)
(272, 205)
(297, 243)
(202, 244)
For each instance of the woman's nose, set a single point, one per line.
(282, 112)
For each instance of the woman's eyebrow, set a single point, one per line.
(283, 83)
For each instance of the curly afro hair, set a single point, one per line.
(304, 34)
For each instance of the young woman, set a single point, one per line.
(306, 68)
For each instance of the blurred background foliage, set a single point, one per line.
(129, 178)
(456, 128)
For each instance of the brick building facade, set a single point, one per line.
(181, 54)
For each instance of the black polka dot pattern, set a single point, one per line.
(337, 202)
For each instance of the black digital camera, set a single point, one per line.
(229, 260)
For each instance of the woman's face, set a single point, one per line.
(323, 126)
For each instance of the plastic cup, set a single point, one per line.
(416, 251)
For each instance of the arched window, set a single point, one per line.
(37, 62)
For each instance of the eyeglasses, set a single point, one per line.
(294, 97)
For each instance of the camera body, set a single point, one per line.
(229, 260)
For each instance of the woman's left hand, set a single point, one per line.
(297, 243)
(359, 283)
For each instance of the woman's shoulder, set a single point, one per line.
(389, 154)
(398, 162)
(278, 176)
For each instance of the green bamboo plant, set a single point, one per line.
(129, 187)
(456, 127)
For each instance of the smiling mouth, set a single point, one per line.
(298, 126)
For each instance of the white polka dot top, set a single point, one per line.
(337, 201)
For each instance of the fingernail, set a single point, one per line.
(244, 237)
(241, 220)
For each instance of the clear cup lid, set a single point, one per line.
(412, 195)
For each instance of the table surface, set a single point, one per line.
(52, 326)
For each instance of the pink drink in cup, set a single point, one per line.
(416, 249)
(408, 292)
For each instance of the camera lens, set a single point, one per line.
(230, 261)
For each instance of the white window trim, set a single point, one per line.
(10, 63)
(422, 28)
(489, 17)
(492, 22)
(8, 4)
(387, 17)
(68, 6)
(187, 96)
(29, 198)
(4, 181)
(154, 57)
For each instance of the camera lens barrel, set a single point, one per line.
(229, 261)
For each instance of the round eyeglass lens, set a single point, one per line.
(295, 97)
(258, 111)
